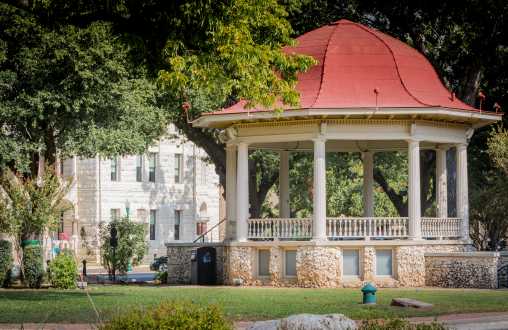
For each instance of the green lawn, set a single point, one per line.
(239, 303)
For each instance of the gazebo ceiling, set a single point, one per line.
(360, 70)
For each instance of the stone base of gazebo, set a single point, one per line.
(320, 264)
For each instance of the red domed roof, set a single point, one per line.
(356, 64)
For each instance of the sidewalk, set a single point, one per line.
(472, 321)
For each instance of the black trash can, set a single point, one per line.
(207, 266)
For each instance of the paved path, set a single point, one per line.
(472, 321)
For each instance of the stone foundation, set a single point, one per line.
(462, 270)
(320, 265)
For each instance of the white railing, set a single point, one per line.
(441, 227)
(352, 227)
(344, 227)
(282, 228)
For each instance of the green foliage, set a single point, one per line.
(498, 148)
(489, 200)
(240, 54)
(63, 271)
(344, 183)
(171, 315)
(71, 89)
(33, 271)
(5, 262)
(28, 207)
(131, 244)
(398, 324)
(162, 277)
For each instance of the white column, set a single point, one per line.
(414, 204)
(441, 182)
(319, 218)
(284, 211)
(462, 193)
(230, 192)
(368, 184)
(242, 190)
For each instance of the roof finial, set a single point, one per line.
(497, 107)
(482, 97)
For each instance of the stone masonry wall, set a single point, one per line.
(462, 270)
(321, 266)
(179, 264)
(410, 265)
(241, 265)
(318, 266)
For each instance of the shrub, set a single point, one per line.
(63, 271)
(131, 245)
(162, 277)
(399, 325)
(5, 262)
(170, 315)
(33, 270)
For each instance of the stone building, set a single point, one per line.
(172, 188)
(369, 93)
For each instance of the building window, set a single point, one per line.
(152, 163)
(263, 262)
(351, 263)
(384, 263)
(139, 168)
(178, 168)
(290, 263)
(153, 219)
(115, 214)
(114, 169)
(200, 228)
(61, 223)
(178, 220)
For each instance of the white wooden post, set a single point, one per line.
(242, 187)
(368, 184)
(231, 191)
(462, 192)
(284, 211)
(414, 204)
(442, 188)
(319, 217)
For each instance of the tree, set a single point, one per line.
(68, 90)
(207, 54)
(30, 206)
(131, 246)
(489, 211)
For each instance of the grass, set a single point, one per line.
(73, 306)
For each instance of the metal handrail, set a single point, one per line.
(202, 236)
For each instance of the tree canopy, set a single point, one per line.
(203, 55)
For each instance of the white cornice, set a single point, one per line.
(475, 118)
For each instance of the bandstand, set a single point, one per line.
(368, 93)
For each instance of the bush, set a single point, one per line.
(5, 262)
(162, 277)
(63, 271)
(131, 245)
(33, 270)
(399, 325)
(170, 315)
